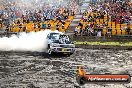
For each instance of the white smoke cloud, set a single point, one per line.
(26, 42)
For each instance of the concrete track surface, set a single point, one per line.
(38, 70)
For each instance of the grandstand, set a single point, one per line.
(51, 15)
(100, 19)
(117, 28)
(96, 20)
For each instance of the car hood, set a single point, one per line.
(58, 42)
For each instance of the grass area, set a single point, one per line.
(105, 43)
(101, 39)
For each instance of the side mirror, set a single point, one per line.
(48, 36)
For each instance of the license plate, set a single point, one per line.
(64, 50)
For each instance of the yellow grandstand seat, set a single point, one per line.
(62, 30)
(37, 29)
(101, 21)
(118, 32)
(17, 29)
(97, 20)
(14, 29)
(123, 25)
(118, 27)
(131, 31)
(41, 25)
(113, 27)
(105, 17)
(113, 32)
(109, 24)
(52, 27)
(123, 32)
(81, 20)
(113, 23)
(105, 20)
(90, 22)
(71, 17)
(131, 26)
(104, 31)
(21, 30)
(84, 25)
(29, 27)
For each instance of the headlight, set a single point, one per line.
(55, 45)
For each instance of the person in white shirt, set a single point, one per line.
(76, 31)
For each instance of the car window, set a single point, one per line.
(54, 36)
(64, 37)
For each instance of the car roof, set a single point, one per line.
(54, 33)
(58, 34)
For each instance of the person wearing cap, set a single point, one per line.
(109, 32)
(43, 25)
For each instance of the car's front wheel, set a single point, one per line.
(69, 54)
(49, 51)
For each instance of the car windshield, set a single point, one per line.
(54, 36)
(64, 39)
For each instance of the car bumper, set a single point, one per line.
(62, 50)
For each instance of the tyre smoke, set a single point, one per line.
(34, 41)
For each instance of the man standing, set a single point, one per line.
(128, 30)
(109, 32)
(76, 31)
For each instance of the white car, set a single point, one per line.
(59, 43)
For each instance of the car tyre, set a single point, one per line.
(49, 51)
(69, 54)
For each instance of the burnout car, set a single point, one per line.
(60, 43)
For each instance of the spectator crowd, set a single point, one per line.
(15, 17)
(111, 17)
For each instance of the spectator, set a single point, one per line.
(43, 25)
(35, 26)
(99, 31)
(81, 31)
(87, 30)
(90, 30)
(109, 32)
(76, 31)
(57, 27)
(25, 29)
(7, 28)
(128, 30)
(49, 26)
(39, 26)
(63, 24)
(81, 24)
(20, 25)
(18, 22)
(99, 34)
